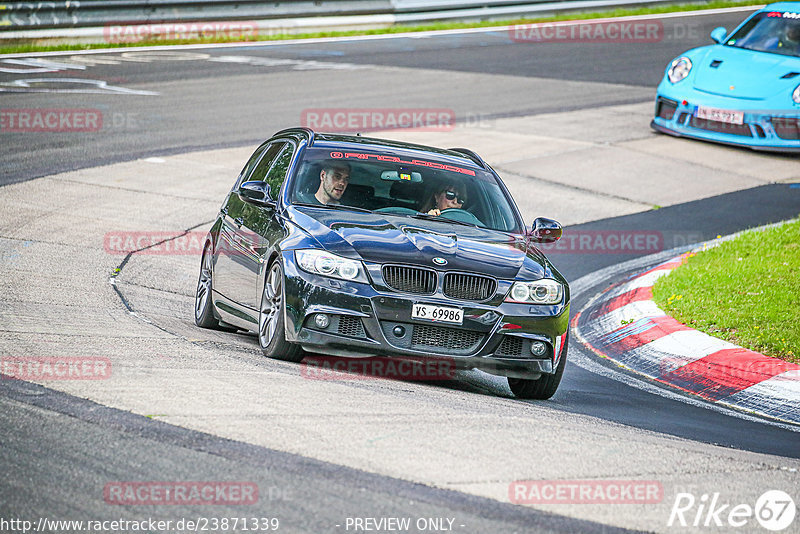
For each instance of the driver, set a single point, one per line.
(789, 41)
(791, 36)
(333, 180)
(449, 196)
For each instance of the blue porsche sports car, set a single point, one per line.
(744, 90)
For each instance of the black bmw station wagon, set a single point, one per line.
(354, 247)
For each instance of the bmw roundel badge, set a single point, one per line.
(439, 261)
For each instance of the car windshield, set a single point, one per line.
(400, 185)
(770, 31)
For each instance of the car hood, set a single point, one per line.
(380, 238)
(743, 73)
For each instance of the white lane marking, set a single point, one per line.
(94, 60)
(39, 70)
(68, 85)
(147, 56)
(253, 60)
(37, 65)
(296, 64)
(155, 160)
(416, 35)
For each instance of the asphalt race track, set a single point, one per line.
(163, 136)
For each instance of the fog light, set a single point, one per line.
(321, 320)
(399, 331)
(538, 348)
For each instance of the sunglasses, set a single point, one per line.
(452, 195)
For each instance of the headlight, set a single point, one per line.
(679, 69)
(545, 291)
(796, 95)
(327, 264)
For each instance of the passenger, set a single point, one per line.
(449, 196)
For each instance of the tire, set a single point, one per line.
(203, 305)
(542, 388)
(271, 326)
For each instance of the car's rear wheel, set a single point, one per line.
(271, 326)
(203, 305)
(541, 388)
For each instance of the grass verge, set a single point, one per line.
(716, 4)
(746, 291)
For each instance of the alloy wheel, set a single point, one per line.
(271, 306)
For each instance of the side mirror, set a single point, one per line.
(718, 34)
(257, 193)
(545, 230)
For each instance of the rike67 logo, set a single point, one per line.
(774, 510)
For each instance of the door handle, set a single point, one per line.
(238, 221)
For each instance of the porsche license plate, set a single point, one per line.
(720, 115)
(439, 314)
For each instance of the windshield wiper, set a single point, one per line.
(332, 206)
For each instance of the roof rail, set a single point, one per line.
(473, 156)
(308, 132)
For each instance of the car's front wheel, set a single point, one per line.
(541, 388)
(203, 306)
(271, 326)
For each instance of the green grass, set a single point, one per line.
(716, 4)
(746, 291)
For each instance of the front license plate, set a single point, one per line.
(439, 314)
(720, 115)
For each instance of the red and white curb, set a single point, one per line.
(624, 325)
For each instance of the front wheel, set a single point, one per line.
(203, 305)
(271, 331)
(542, 388)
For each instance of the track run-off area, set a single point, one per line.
(145, 146)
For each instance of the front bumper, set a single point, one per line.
(367, 322)
(762, 129)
